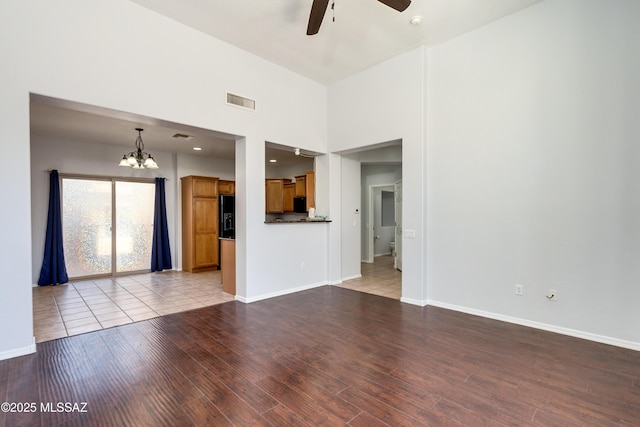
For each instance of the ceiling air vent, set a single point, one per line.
(241, 101)
(182, 136)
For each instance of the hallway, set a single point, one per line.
(378, 278)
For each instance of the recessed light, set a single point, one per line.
(416, 20)
(197, 149)
(273, 161)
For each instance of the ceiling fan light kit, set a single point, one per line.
(319, 7)
(299, 153)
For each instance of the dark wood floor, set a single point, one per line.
(327, 356)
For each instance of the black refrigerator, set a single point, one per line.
(226, 216)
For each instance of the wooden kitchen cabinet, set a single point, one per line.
(274, 189)
(280, 192)
(199, 223)
(301, 188)
(274, 194)
(310, 189)
(288, 194)
(228, 265)
(226, 187)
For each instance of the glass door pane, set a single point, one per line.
(134, 225)
(86, 226)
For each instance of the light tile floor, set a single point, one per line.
(378, 278)
(88, 305)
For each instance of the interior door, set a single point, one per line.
(383, 220)
(398, 204)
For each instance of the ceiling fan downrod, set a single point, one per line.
(319, 8)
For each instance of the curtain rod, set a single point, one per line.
(129, 178)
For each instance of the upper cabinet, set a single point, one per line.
(301, 188)
(274, 189)
(280, 192)
(289, 193)
(310, 189)
(226, 187)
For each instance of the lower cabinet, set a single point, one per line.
(228, 265)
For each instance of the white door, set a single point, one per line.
(398, 238)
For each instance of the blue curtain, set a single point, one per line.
(53, 269)
(160, 252)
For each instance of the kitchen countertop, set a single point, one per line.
(297, 221)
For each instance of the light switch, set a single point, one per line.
(410, 234)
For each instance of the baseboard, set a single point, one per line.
(382, 254)
(17, 352)
(412, 301)
(279, 293)
(355, 276)
(538, 325)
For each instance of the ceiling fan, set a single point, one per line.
(319, 7)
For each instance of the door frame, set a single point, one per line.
(112, 180)
(370, 222)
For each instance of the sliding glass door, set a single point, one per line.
(107, 226)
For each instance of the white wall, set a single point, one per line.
(533, 169)
(350, 217)
(519, 169)
(205, 166)
(121, 56)
(289, 171)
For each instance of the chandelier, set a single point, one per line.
(139, 159)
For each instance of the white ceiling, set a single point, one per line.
(365, 33)
(78, 122)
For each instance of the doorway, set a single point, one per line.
(107, 224)
(381, 221)
(374, 166)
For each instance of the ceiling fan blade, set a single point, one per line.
(399, 5)
(318, 8)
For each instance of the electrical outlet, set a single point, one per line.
(519, 290)
(552, 295)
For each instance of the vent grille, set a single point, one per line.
(182, 136)
(241, 101)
